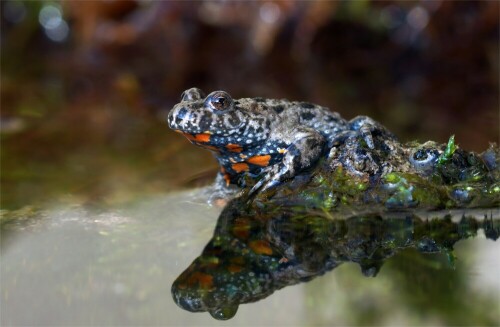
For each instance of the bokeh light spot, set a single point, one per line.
(56, 28)
(418, 18)
(269, 12)
(50, 17)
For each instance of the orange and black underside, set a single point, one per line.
(200, 139)
(259, 160)
(238, 165)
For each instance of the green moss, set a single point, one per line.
(448, 152)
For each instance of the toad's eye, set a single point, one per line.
(219, 100)
(192, 94)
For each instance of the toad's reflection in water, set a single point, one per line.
(250, 256)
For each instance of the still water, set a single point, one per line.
(86, 266)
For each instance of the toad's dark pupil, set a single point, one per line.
(220, 103)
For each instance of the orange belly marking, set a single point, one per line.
(203, 137)
(261, 247)
(259, 160)
(240, 166)
(234, 269)
(234, 147)
(205, 281)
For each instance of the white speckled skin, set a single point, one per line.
(268, 138)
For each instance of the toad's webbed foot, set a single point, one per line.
(300, 155)
(220, 191)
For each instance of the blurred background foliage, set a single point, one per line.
(86, 85)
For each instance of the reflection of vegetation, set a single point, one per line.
(254, 253)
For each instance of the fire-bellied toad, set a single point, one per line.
(268, 139)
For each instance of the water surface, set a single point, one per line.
(82, 266)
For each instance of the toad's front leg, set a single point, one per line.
(222, 190)
(305, 149)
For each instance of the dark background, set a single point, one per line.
(86, 86)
